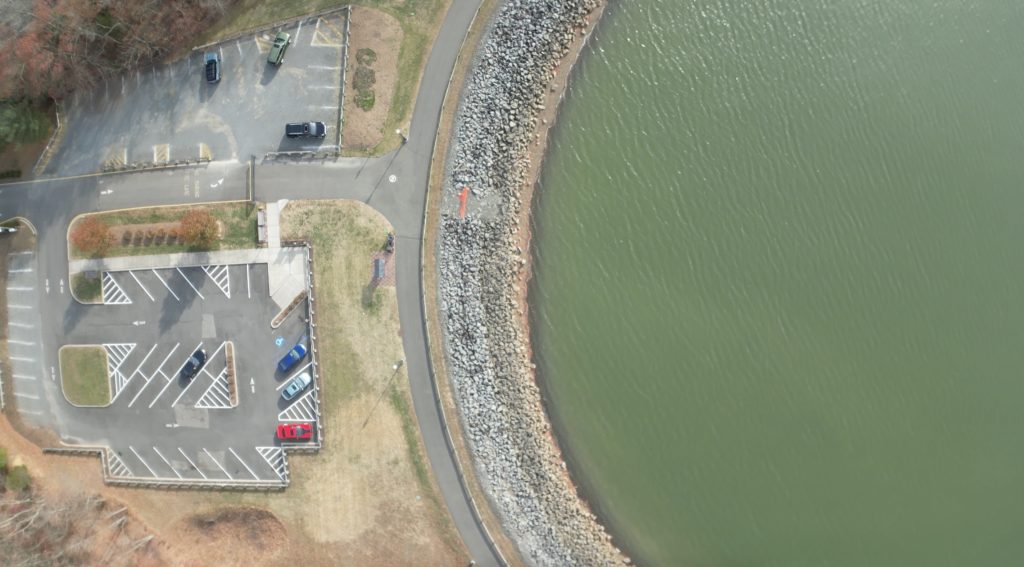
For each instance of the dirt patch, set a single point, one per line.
(381, 34)
(254, 533)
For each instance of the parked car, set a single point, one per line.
(295, 431)
(281, 42)
(193, 365)
(305, 129)
(212, 64)
(289, 360)
(296, 385)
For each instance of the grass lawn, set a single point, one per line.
(83, 375)
(86, 289)
(238, 222)
(420, 21)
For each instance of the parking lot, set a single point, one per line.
(171, 113)
(217, 427)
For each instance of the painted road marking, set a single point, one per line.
(217, 396)
(132, 376)
(159, 370)
(193, 381)
(243, 464)
(190, 283)
(248, 288)
(194, 466)
(24, 377)
(23, 359)
(304, 409)
(163, 281)
(117, 466)
(297, 30)
(274, 456)
(27, 396)
(169, 465)
(225, 471)
(143, 461)
(21, 325)
(171, 378)
(134, 277)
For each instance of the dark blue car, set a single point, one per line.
(297, 353)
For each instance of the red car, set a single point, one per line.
(295, 431)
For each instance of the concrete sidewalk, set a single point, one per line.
(286, 267)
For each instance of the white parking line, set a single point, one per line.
(172, 377)
(248, 288)
(20, 271)
(141, 460)
(23, 359)
(218, 464)
(20, 325)
(193, 381)
(324, 87)
(326, 67)
(19, 288)
(132, 274)
(163, 281)
(158, 371)
(30, 412)
(238, 44)
(19, 307)
(23, 377)
(132, 376)
(15, 342)
(198, 470)
(169, 465)
(297, 30)
(294, 374)
(190, 283)
(28, 396)
(243, 463)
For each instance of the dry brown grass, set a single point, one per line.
(381, 32)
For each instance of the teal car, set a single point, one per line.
(281, 42)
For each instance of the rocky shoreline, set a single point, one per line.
(482, 267)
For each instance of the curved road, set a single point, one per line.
(51, 204)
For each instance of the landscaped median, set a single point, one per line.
(155, 230)
(163, 230)
(83, 375)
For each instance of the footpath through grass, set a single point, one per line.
(83, 375)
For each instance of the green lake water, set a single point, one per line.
(778, 304)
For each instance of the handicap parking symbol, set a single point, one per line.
(279, 341)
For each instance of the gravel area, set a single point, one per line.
(481, 266)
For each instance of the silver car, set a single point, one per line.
(296, 385)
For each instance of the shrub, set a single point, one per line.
(366, 56)
(364, 78)
(198, 228)
(126, 238)
(91, 236)
(3, 459)
(365, 99)
(17, 479)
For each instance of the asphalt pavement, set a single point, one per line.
(394, 184)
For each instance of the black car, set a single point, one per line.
(305, 129)
(212, 65)
(194, 365)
